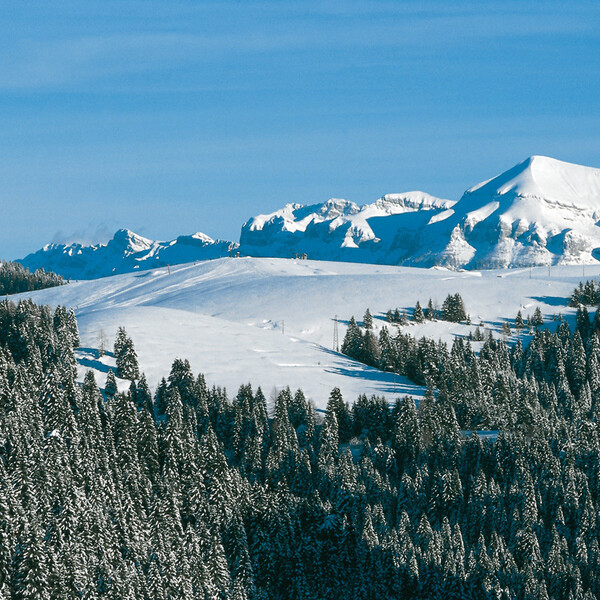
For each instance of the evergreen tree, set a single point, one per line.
(453, 309)
(418, 315)
(537, 320)
(353, 344)
(110, 387)
(430, 312)
(120, 340)
(519, 323)
(343, 416)
(126, 357)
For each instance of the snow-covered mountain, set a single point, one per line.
(341, 230)
(542, 211)
(124, 253)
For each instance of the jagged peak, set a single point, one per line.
(127, 234)
(335, 207)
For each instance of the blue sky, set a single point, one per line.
(175, 117)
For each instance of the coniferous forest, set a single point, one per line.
(186, 493)
(15, 279)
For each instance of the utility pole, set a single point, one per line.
(169, 268)
(336, 343)
(282, 327)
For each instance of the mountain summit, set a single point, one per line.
(541, 211)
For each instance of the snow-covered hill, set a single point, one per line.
(270, 321)
(542, 211)
(124, 253)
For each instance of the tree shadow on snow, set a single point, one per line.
(387, 383)
(552, 300)
(385, 387)
(90, 358)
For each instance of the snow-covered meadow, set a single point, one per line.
(270, 321)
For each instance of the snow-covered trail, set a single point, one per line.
(270, 321)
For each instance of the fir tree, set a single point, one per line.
(126, 357)
(343, 416)
(110, 387)
(537, 320)
(353, 344)
(519, 323)
(418, 316)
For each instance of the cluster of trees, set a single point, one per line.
(588, 293)
(532, 321)
(15, 278)
(453, 310)
(185, 493)
(405, 355)
(397, 317)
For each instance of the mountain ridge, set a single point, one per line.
(125, 252)
(541, 211)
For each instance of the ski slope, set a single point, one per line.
(270, 321)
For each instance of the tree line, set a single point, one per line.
(453, 310)
(15, 279)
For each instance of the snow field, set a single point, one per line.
(270, 321)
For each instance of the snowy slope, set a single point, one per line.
(126, 252)
(270, 321)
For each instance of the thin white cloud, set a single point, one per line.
(92, 234)
(39, 63)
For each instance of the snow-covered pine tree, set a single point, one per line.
(126, 357)
(110, 387)
(418, 316)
